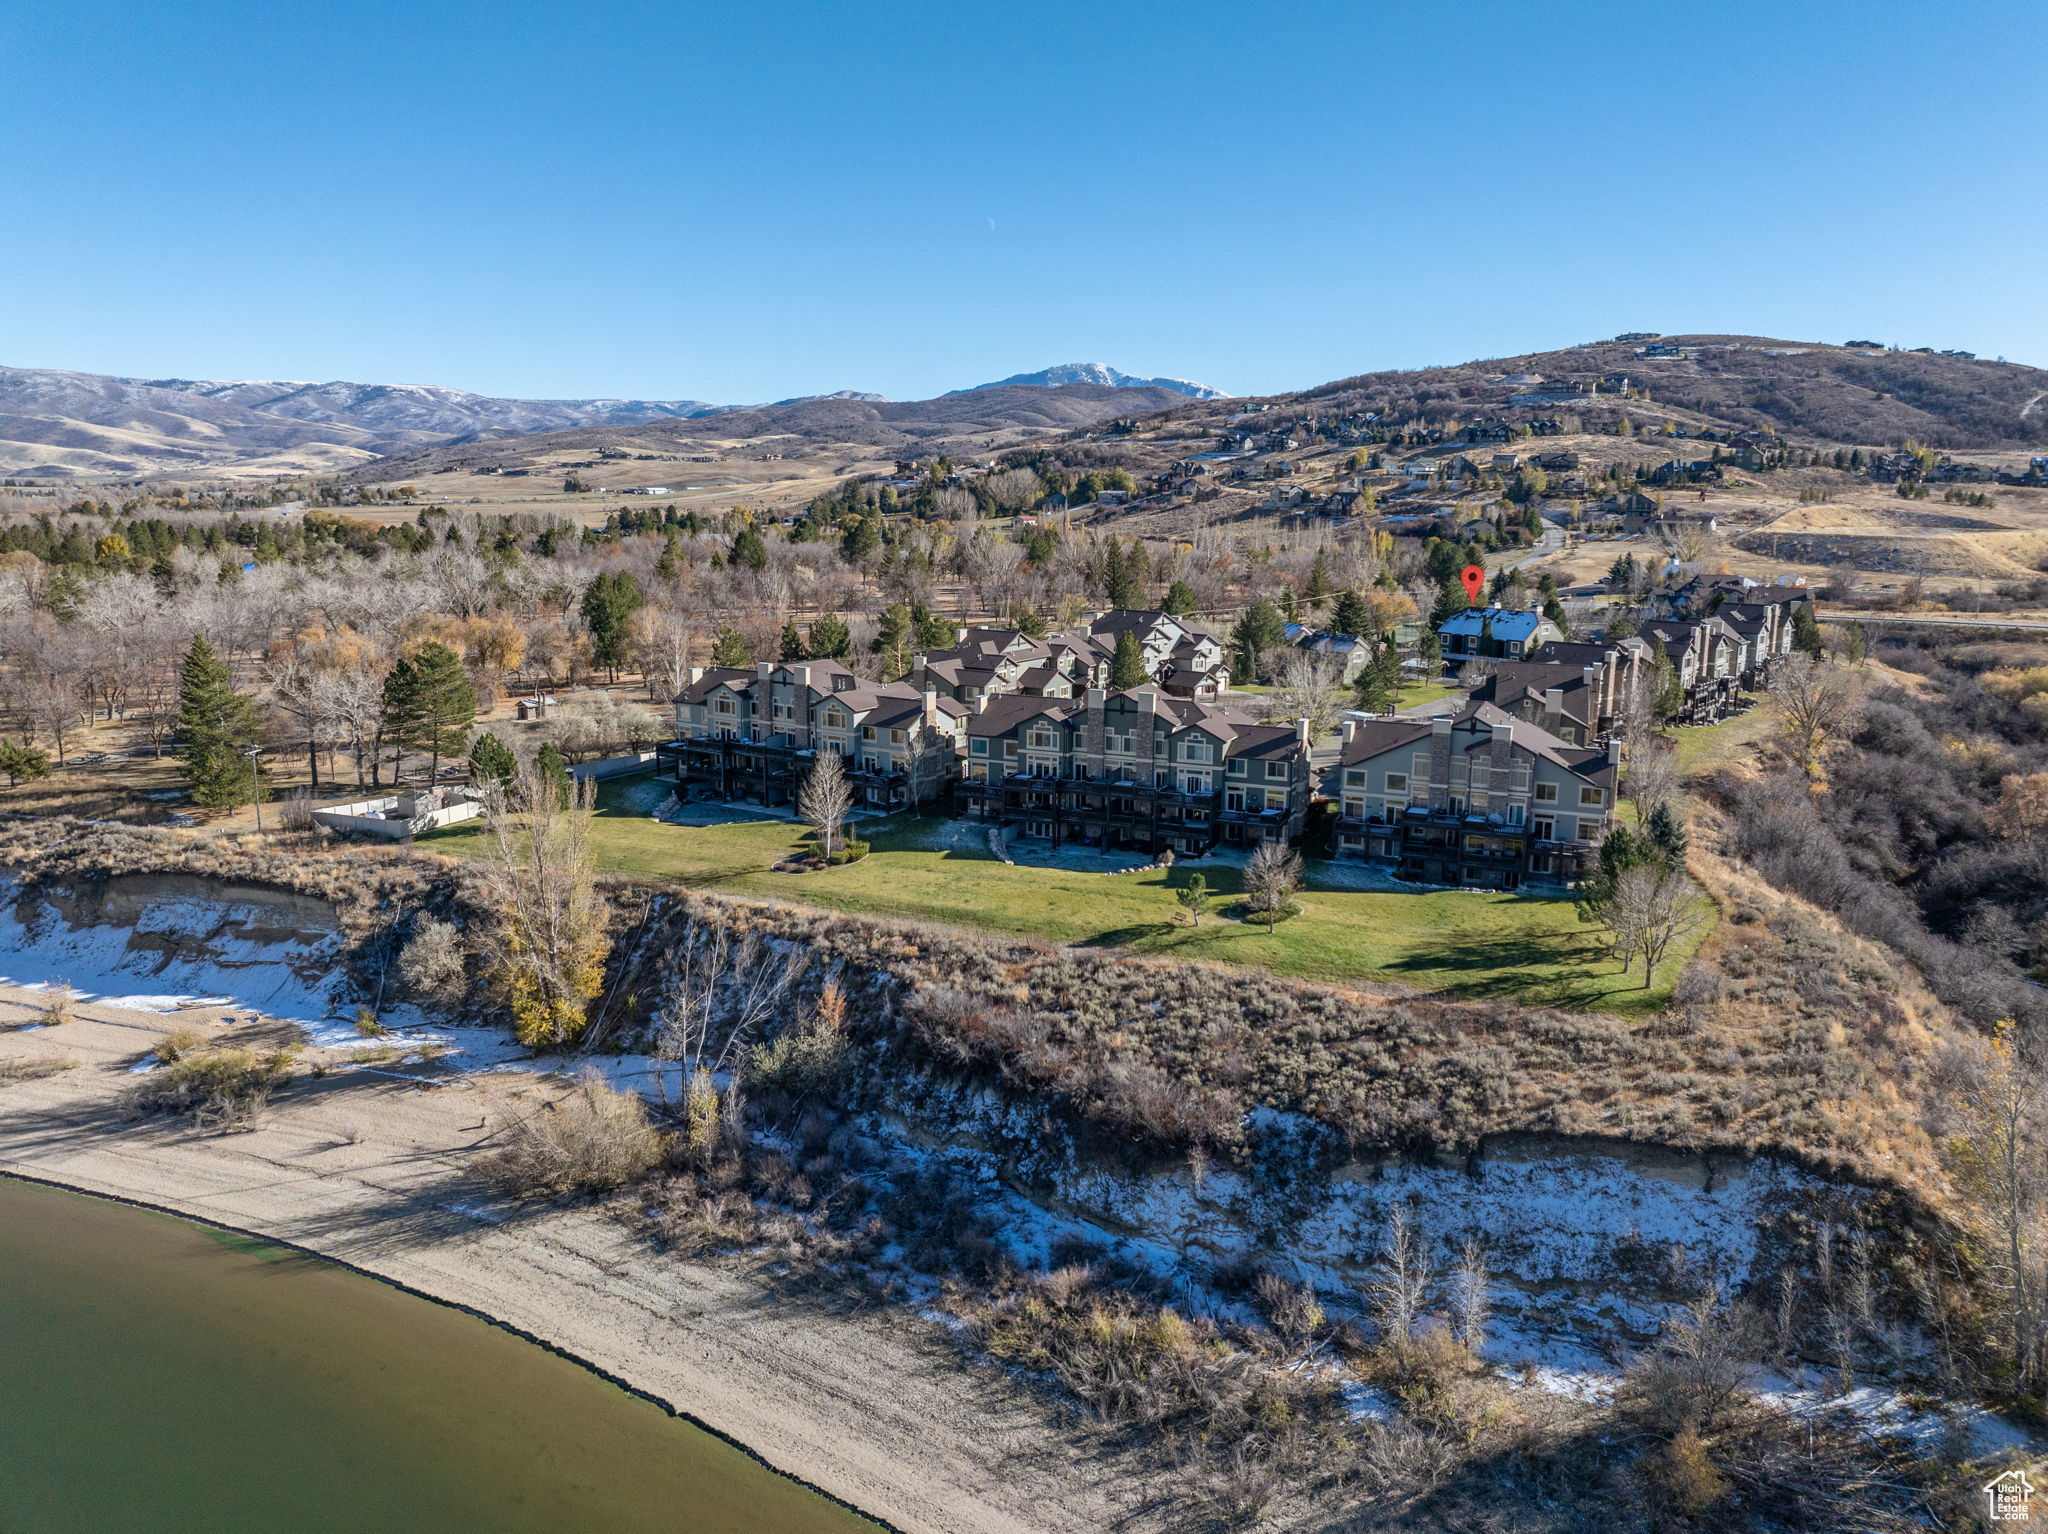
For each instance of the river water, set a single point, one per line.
(157, 1376)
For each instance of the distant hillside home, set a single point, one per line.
(1480, 798)
(1135, 770)
(1493, 633)
(753, 735)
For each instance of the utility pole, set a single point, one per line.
(255, 784)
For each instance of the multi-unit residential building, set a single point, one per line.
(1476, 798)
(753, 735)
(1182, 659)
(1140, 770)
(1493, 633)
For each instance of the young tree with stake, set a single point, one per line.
(825, 799)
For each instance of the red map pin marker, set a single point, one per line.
(1474, 577)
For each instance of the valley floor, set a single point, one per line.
(364, 1167)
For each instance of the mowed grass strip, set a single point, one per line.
(1467, 945)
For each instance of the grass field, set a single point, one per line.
(1466, 945)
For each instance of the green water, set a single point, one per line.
(157, 1376)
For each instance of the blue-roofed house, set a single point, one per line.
(1493, 633)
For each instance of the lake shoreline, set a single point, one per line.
(594, 1367)
(863, 1404)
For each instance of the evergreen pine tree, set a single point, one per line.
(1180, 599)
(1379, 685)
(1318, 578)
(670, 565)
(609, 602)
(214, 723)
(1668, 835)
(1127, 667)
(862, 537)
(929, 630)
(830, 639)
(749, 549)
(491, 761)
(793, 647)
(1351, 616)
(730, 651)
(554, 773)
(892, 638)
(1806, 632)
(429, 704)
(1259, 630)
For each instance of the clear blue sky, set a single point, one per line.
(766, 198)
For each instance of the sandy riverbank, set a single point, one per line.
(864, 1403)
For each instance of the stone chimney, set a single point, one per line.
(917, 670)
(931, 707)
(1553, 709)
(1097, 698)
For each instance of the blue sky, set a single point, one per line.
(767, 198)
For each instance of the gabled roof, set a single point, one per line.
(1379, 736)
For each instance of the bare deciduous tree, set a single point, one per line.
(1812, 704)
(825, 799)
(1652, 907)
(1271, 877)
(1399, 1294)
(1310, 687)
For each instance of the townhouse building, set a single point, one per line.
(1139, 770)
(1480, 798)
(753, 735)
(1493, 633)
(1183, 659)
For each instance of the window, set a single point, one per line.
(1276, 798)
(978, 745)
(1278, 769)
(896, 737)
(1355, 778)
(1195, 751)
(1514, 814)
(867, 732)
(722, 706)
(1043, 740)
(1354, 809)
(1397, 782)
(1457, 804)
(1591, 795)
(1419, 765)
(1546, 793)
(1237, 769)
(1195, 783)
(1589, 830)
(1545, 828)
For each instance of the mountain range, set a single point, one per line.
(56, 423)
(1104, 377)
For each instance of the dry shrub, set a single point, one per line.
(1400, 1460)
(1681, 1478)
(59, 1005)
(591, 1141)
(1695, 1374)
(35, 1068)
(1442, 1386)
(222, 1088)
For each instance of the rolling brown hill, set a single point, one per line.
(863, 426)
(1802, 390)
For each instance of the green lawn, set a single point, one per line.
(1456, 944)
(1701, 746)
(1413, 693)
